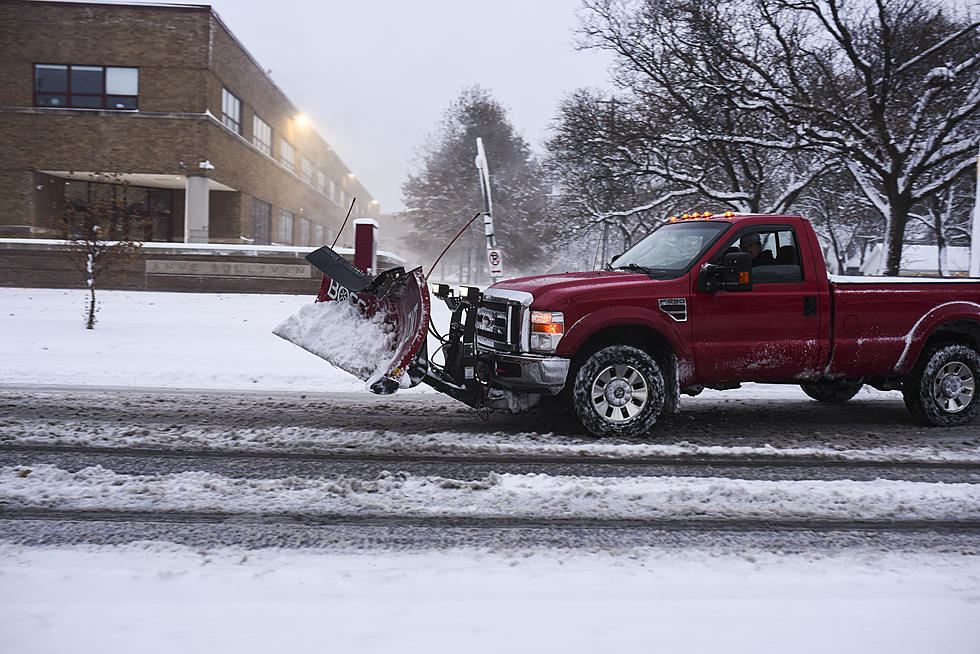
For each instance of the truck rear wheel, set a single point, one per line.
(832, 391)
(941, 389)
(618, 391)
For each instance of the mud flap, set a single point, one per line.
(374, 328)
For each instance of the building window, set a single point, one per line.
(333, 191)
(306, 171)
(85, 87)
(261, 222)
(287, 155)
(304, 232)
(262, 135)
(285, 228)
(231, 111)
(131, 211)
(321, 181)
(318, 235)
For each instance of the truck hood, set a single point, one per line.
(554, 291)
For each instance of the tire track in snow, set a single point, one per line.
(263, 464)
(968, 527)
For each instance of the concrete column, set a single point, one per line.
(196, 209)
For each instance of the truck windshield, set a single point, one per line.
(670, 250)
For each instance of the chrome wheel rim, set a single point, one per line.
(953, 387)
(619, 393)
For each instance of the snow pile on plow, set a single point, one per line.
(372, 327)
(339, 333)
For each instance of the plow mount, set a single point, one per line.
(376, 328)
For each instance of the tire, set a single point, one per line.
(832, 392)
(941, 389)
(618, 391)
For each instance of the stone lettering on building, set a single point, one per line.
(226, 269)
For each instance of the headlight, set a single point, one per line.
(547, 328)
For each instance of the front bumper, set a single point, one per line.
(528, 373)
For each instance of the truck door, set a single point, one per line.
(771, 332)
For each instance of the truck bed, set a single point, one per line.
(879, 326)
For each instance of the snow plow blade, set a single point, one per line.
(373, 328)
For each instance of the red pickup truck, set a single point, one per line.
(711, 302)
(701, 302)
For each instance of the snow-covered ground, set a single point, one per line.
(160, 597)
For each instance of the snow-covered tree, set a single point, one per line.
(744, 103)
(595, 194)
(444, 192)
(890, 89)
(946, 219)
(848, 225)
(101, 232)
(671, 135)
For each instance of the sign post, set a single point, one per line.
(494, 255)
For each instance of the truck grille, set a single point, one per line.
(498, 325)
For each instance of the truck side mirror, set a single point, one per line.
(734, 275)
(738, 271)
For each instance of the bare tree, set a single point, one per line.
(102, 231)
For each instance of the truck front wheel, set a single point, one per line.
(618, 391)
(941, 389)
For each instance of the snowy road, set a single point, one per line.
(112, 462)
(265, 518)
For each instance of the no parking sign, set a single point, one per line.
(496, 260)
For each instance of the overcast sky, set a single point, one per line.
(375, 76)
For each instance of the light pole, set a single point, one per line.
(975, 234)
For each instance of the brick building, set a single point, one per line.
(164, 99)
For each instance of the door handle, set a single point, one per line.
(810, 305)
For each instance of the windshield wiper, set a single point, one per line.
(633, 266)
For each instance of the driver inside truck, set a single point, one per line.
(752, 244)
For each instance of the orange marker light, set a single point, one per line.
(743, 277)
(550, 328)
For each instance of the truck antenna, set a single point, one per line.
(353, 200)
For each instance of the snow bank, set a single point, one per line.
(164, 340)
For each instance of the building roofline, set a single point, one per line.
(130, 4)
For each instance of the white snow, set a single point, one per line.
(328, 329)
(525, 496)
(167, 340)
(160, 597)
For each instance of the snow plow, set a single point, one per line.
(376, 328)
